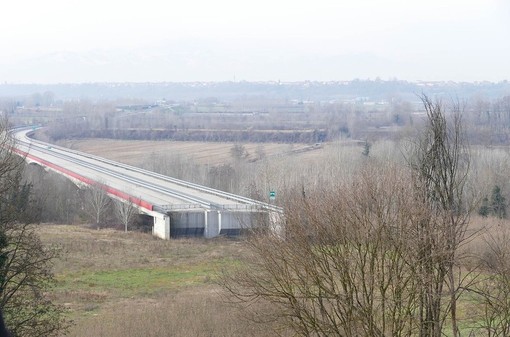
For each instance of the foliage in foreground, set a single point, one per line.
(25, 264)
(346, 262)
(379, 254)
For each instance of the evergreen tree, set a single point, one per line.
(498, 203)
(366, 149)
(484, 209)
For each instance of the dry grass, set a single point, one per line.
(91, 249)
(132, 284)
(188, 313)
(480, 235)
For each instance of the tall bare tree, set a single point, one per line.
(440, 164)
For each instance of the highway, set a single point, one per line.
(152, 193)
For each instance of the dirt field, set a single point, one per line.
(133, 152)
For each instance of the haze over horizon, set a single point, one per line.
(60, 41)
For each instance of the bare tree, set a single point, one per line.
(9, 160)
(238, 152)
(98, 202)
(494, 286)
(126, 212)
(342, 266)
(440, 165)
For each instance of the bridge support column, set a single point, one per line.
(206, 224)
(161, 226)
(219, 223)
(276, 222)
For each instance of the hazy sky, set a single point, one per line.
(87, 41)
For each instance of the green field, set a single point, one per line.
(132, 284)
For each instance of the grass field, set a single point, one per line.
(132, 284)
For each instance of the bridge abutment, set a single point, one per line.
(161, 226)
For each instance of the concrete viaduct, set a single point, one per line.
(178, 207)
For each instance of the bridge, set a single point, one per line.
(177, 207)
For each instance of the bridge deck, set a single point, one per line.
(163, 193)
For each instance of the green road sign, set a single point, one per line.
(272, 195)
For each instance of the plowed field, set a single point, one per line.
(133, 152)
